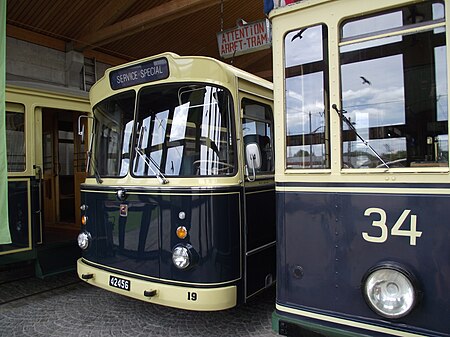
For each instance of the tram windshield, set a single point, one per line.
(167, 130)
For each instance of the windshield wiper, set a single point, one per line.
(94, 167)
(149, 161)
(351, 126)
(89, 152)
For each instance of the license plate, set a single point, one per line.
(120, 283)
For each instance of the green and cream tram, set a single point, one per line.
(362, 172)
(178, 208)
(46, 165)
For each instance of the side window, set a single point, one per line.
(257, 129)
(306, 104)
(15, 137)
(394, 89)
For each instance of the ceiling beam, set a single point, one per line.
(36, 38)
(108, 15)
(164, 13)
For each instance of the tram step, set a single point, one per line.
(56, 258)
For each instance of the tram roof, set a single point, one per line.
(182, 68)
(47, 88)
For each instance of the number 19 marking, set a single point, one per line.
(396, 230)
(191, 296)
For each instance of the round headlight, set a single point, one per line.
(390, 292)
(84, 239)
(180, 257)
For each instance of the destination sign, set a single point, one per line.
(145, 72)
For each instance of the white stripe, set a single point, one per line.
(345, 322)
(365, 190)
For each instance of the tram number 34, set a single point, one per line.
(396, 230)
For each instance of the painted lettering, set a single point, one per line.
(379, 221)
(131, 76)
(151, 71)
(244, 39)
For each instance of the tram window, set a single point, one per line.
(306, 86)
(15, 137)
(394, 91)
(112, 135)
(184, 130)
(392, 20)
(66, 148)
(257, 127)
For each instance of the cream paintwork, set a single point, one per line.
(306, 14)
(192, 69)
(346, 322)
(30, 98)
(34, 98)
(208, 299)
(182, 69)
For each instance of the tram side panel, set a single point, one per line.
(18, 216)
(261, 236)
(343, 235)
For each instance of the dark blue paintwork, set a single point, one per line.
(18, 214)
(323, 256)
(260, 232)
(142, 241)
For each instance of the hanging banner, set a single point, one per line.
(245, 38)
(5, 236)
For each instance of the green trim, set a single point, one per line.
(5, 236)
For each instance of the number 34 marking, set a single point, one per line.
(412, 232)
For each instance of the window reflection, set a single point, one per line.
(112, 135)
(257, 129)
(372, 24)
(394, 92)
(306, 95)
(15, 137)
(295, 42)
(184, 130)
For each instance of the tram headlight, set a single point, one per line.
(180, 257)
(84, 239)
(184, 256)
(390, 291)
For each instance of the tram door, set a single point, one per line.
(62, 173)
(259, 189)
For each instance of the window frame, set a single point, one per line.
(16, 108)
(404, 30)
(314, 67)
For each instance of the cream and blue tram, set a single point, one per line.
(46, 165)
(362, 171)
(178, 208)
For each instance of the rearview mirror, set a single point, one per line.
(253, 156)
(81, 126)
(253, 159)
